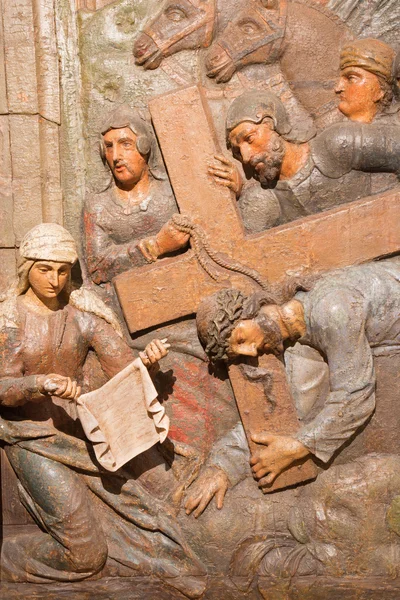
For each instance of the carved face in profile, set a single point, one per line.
(127, 165)
(247, 339)
(230, 325)
(257, 335)
(359, 93)
(48, 278)
(259, 148)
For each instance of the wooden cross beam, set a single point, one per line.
(173, 287)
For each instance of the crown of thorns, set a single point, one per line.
(228, 311)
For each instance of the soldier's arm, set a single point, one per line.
(359, 146)
(105, 258)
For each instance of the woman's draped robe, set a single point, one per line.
(89, 513)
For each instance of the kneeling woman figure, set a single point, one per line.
(88, 517)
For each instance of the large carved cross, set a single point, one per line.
(173, 287)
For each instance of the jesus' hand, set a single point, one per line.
(211, 482)
(278, 453)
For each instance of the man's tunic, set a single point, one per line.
(353, 320)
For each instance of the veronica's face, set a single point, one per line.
(247, 339)
(47, 278)
(125, 161)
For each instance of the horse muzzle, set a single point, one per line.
(219, 65)
(146, 52)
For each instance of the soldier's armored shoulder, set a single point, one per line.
(360, 146)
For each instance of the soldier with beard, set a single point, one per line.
(299, 178)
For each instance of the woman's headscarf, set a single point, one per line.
(50, 241)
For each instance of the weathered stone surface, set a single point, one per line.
(8, 269)
(344, 236)
(26, 173)
(52, 199)
(3, 90)
(19, 41)
(7, 238)
(139, 588)
(46, 60)
(72, 136)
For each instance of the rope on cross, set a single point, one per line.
(173, 287)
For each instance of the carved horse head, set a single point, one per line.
(181, 25)
(253, 36)
(304, 36)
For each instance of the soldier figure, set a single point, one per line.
(298, 179)
(365, 84)
(121, 222)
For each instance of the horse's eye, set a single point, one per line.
(249, 28)
(175, 14)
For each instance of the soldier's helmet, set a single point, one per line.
(255, 106)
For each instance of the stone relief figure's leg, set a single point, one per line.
(72, 545)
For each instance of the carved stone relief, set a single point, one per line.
(229, 173)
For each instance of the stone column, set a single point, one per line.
(30, 190)
(30, 177)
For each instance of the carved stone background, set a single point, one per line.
(37, 51)
(62, 68)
